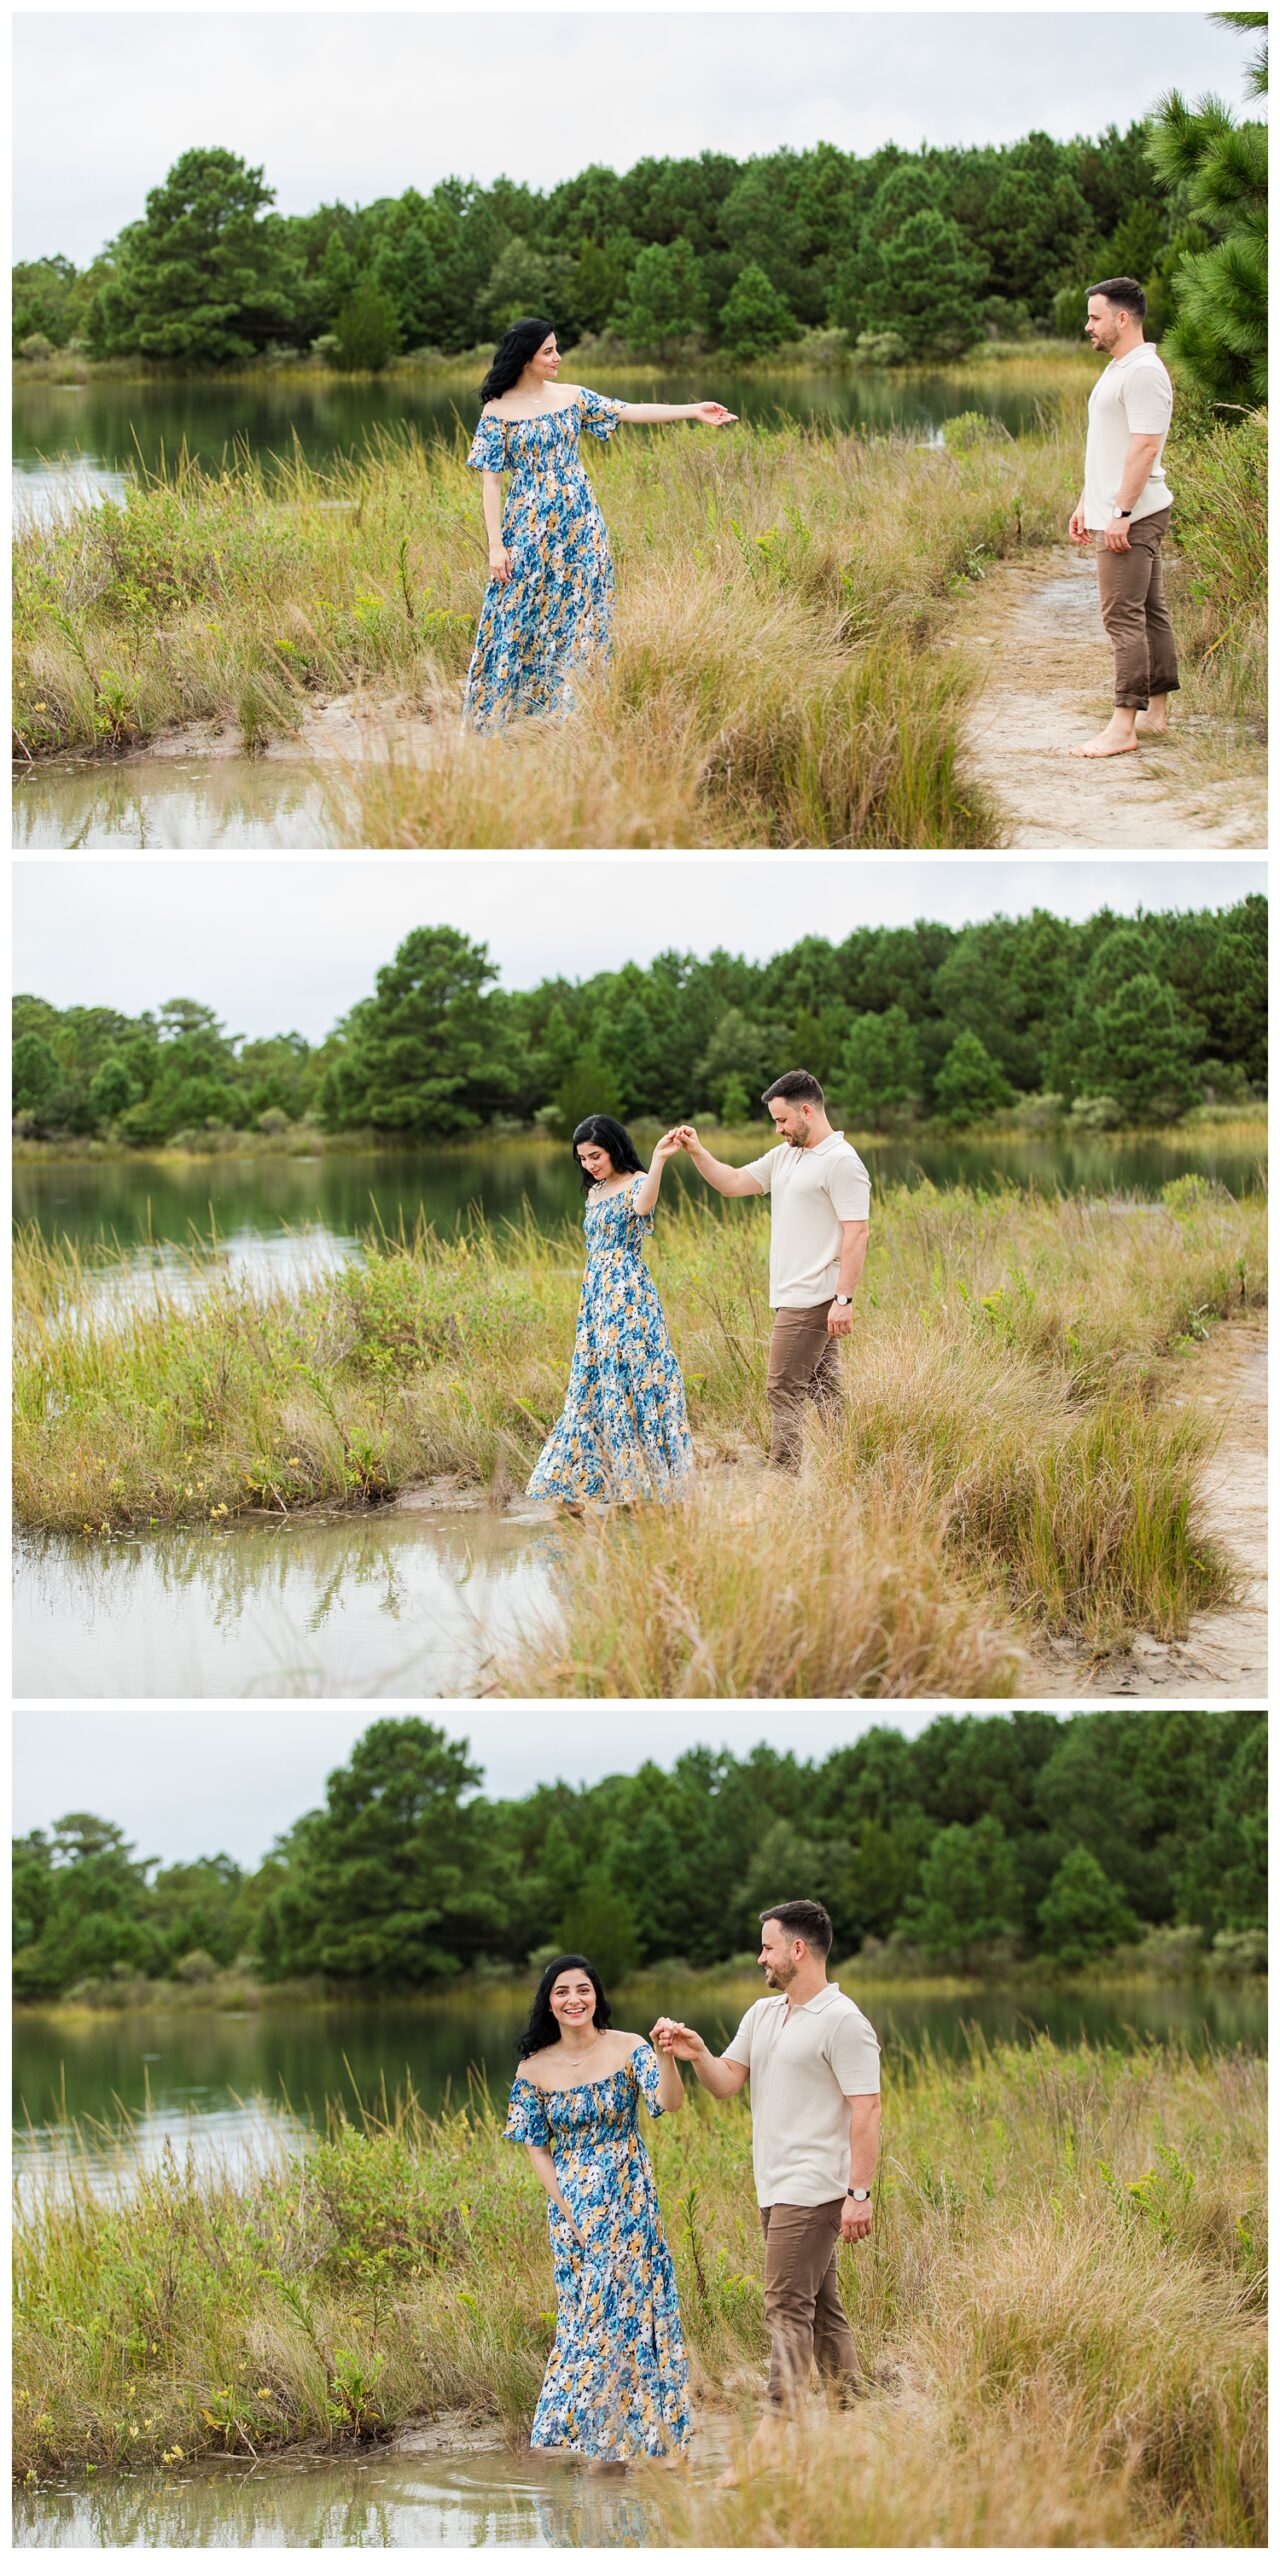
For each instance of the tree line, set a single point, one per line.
(900, 255)
(1113, 1021)
(1022, 1835)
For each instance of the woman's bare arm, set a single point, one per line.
(491, 501)
(545, 2171)
(648, 1191)
(665, 413)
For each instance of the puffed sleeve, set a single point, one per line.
(526, 2115)
(599, 416)
(488, 446)
(643, 1217)
(646, 2069)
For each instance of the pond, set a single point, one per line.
(381, 1603)
(215, 2082)
(400, 2499)
(73, 442)
(274, 1216)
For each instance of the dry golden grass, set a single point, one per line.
(1061, 2312)
(774, 679)
(1004, 1460)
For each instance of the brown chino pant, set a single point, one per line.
(802, 2303)
(804, 1366)
(1131, 594)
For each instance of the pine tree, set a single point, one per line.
(1219, 294)
(665, 300)
(202, 280)
(1140, 1051)
(880, 1065)
(366, 331)
(969, 1082)
(755, 317)
(1083, 1914)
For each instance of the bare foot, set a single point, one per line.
(764, 2452)
(1152, 723)
(1117, 739)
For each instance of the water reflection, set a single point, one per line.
(258, 1202)
(225, 2087)
(179, 803)
(92, 433)
(370, 1604)
(389, 2501)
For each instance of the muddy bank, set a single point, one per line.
(201, 785)
(1034, 621)
(1036, 624)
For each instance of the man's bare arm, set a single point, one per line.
(1137, 469)
(733, 1180)
(864, 2143)
(723, 2079)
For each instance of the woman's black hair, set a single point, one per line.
(542, 2027)
(512, 354)
(601, 1131)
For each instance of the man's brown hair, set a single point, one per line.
(797, 1085)
(1125, 292)
(806, 1920)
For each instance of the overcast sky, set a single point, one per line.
(189, 1782)
(280, 945)
(337, 106)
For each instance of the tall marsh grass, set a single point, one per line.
(1062, 2312)
(1005, 1459)
(774, 678)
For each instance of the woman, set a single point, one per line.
(617, 2383)
(550, 596)
(624, 1432)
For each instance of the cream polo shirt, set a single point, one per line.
(812, 1191)
(804, 2063)
(1133, 397)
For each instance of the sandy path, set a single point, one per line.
(1225, 1653)
(1048, 687)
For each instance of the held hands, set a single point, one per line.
(713, 413)
(670, 2036)
(500, 563)
(667, 1147)
(684, 1136)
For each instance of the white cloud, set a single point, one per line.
(280, 945)
(334, 105)
(190, 1782)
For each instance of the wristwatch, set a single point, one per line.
(860, 2195)
(1122, 511)
(844, 1302)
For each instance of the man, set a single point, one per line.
(813, 2062)
(1124, 509)
(820, 1197)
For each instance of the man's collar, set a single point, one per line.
(821, 1999)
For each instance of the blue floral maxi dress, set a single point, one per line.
(555, 611)
(617, 2382)
(624, 1433)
